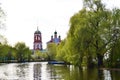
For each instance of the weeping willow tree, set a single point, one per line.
(114, 60)
(60, 50)
(99, 22)
(91, 33)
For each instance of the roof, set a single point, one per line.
(37, 31)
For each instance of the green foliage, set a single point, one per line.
(20, 52)
(51, 50)
(6, 53)
(61, 51)
(23, 52)
(91, 34)
(114, 59)
(4, 49)
(37, 54)
(40, 55)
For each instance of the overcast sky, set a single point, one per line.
(23, 17)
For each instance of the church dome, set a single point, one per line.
(37, 32)
(55, 32)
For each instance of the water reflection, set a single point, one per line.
(22, 71)
(43, 71)
(107, 75)
(15, 71)
(37, 71)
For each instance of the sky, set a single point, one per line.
(24, 16)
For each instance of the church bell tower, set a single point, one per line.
(37, 44)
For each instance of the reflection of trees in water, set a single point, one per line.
(107, 75)
(111, 74)
(37, 71)
(61, 72)
(72, 73)
(22, 71)
(53, 71)
(50, 70)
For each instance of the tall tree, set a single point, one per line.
(23, 52)
(91, 32)
(51, 50)
(61, 51)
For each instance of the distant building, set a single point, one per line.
(56, 39)
(37, 44)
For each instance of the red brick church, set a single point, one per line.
(37, 44)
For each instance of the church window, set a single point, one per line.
(36, 37)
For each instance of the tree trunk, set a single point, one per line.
(100, 60)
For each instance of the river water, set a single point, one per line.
(43, 71)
